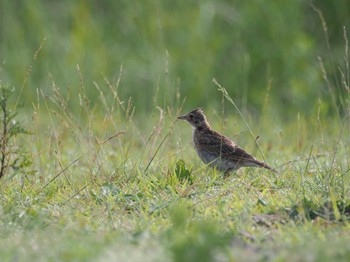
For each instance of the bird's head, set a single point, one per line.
(196, 118)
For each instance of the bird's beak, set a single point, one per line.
(183, 117)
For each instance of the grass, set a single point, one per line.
(110, 185)
(112, 175)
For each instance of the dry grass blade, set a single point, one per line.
(109, 138)
(74, 195)
(224, 91)
(63, 170)
(29, 70)
(172, 126)
(160, 145)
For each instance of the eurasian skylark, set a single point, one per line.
(218, 150)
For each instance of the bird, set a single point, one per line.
(216, 150)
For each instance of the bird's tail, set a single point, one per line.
(262, 164)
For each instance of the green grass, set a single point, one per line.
(112, 176)
(130, 197)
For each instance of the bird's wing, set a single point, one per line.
(221, 145)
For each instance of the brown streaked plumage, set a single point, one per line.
(218, 150)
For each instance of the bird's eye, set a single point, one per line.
(191, 116)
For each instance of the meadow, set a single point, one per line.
(96, 167)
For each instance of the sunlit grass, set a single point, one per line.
(114, 176)
(109, 180)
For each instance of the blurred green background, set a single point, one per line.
(172, 48)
